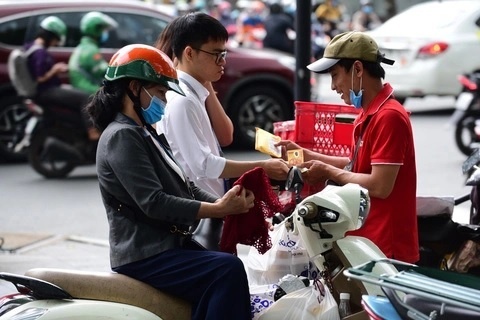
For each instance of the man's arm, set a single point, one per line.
(379, 182)
(222, 125)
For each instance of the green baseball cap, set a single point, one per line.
(349, 45)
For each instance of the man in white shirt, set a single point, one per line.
(198, 43)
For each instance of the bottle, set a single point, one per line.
(344, 305)
(299, 262)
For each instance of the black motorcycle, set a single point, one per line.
(447, 244)
(466, 118)
(55, 140)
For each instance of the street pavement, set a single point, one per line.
(71, 252)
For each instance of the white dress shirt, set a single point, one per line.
(188, 130)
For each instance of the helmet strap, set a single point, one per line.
(137, 107)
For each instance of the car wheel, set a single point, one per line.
(14, 116)
(257, 106)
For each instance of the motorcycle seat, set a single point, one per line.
(114, 287)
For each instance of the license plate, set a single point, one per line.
(463, 101)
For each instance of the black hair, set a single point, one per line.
(192, 29)
(275, 8)
(164, 40)
(373, 68)
(47, 36)
(107, 102)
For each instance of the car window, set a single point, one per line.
(71, 19)
(134, 28)
(13, 32)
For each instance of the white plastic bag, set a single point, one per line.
(261, 297)
(287, 256)
(311, 303)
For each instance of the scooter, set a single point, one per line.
(320, 219)
(418, 293)
(55, 140)
(444, 243)
(466, 118)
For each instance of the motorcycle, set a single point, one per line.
(466, 118)
(55, 141)
(418, 292)
(321, 220)
(444, 243)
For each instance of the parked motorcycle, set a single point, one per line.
(55, 140)
(321, 220)
(466, 118)
(418, 292)
(444, 243)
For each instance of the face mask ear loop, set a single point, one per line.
(361, 82)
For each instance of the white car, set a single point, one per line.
(431, 43)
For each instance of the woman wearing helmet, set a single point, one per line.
(150, 203)
(43, 68)
(87, 65)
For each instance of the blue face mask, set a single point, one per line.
(356, 98)
(367, 9)
(104, 36)
(155, 110)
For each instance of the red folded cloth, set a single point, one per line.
(251, 228)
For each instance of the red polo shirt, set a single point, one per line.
(388, 139)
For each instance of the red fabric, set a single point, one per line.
(251, 228)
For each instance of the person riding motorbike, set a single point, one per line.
(149, 201)
(43, 68)
(87, 66)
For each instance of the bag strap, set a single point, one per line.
(349, 166)
(32, 49)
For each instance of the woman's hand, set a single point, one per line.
(237, 200)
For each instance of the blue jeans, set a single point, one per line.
(215, 283)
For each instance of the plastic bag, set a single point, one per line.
(287, 256)
(261, 297)
(311, 303)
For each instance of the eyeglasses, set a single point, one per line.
(218, 55)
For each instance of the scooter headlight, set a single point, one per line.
(364, 207)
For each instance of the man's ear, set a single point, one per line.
(358, 68)
(188, 53)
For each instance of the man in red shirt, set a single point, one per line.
(383, 155)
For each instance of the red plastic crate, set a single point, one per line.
(324, 128)
(285, 129)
